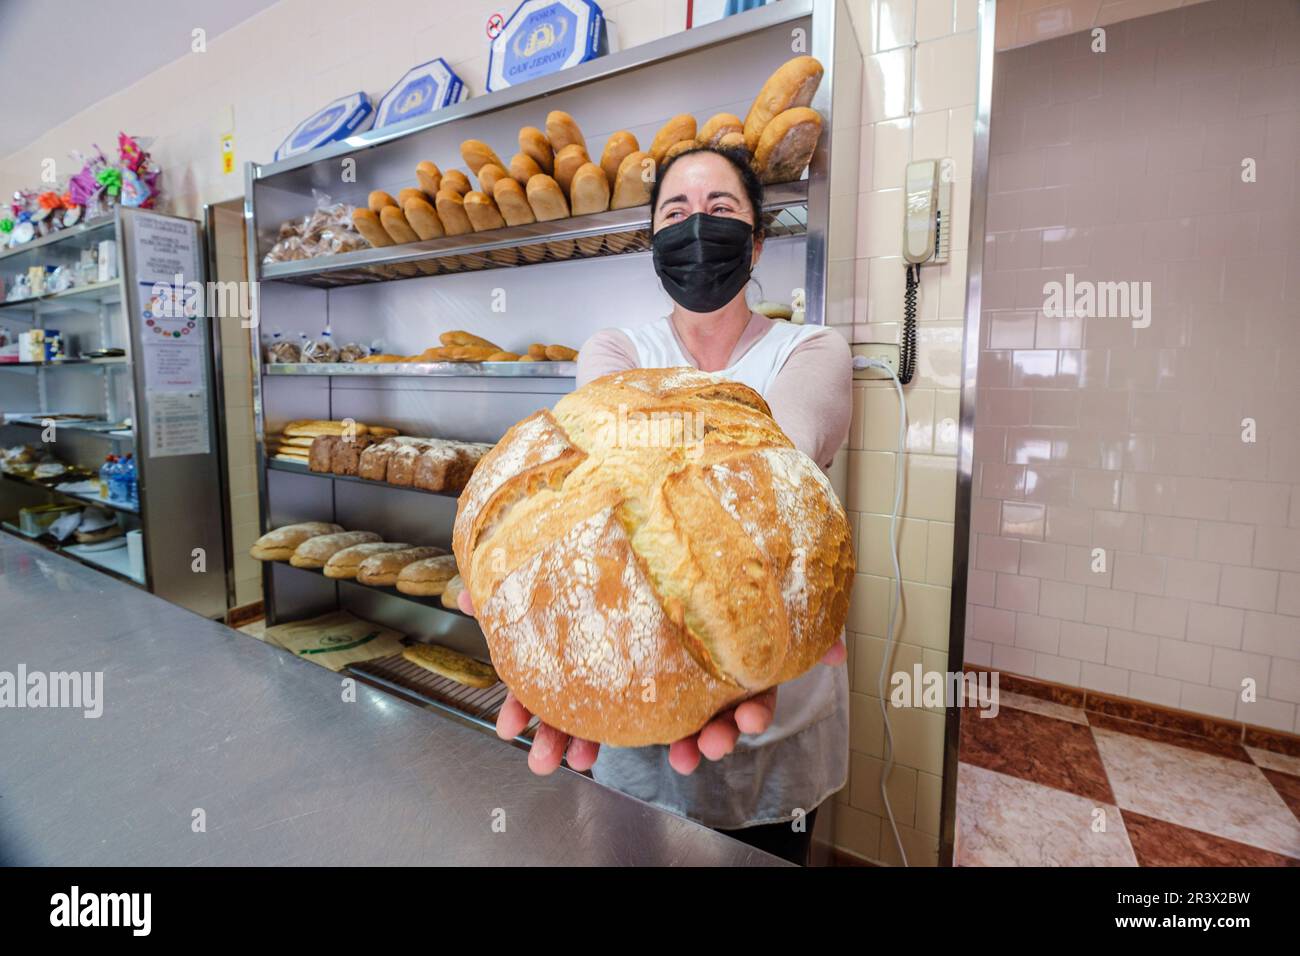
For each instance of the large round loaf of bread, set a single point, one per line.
(650, 551)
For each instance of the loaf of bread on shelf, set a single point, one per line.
(311, 427)
(488, 175)
(345, 453)
(477, 154)
(717, 126)
(787, 145)
(451, 593)
(461, 337)
(793, 84)
(314, 552)
(455, 181)
(280, 544)
(378, 200)
(699, 553)
(322, 447)
(373, 464)
(382, 569)
(344, 564)
(423, 218)
(449, 664)
(616, 148)
(547, 198)
(560, 353)
(677, 129)
(635, 178)
(401, 463)
(447, 465)
(534, 144)
(567, 162)
(562, 130)
(430, 177)
(428, 577)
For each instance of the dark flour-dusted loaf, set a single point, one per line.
(649, 551)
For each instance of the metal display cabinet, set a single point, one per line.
(489, 284)
(164, 390)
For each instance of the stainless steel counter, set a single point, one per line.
(198, 717)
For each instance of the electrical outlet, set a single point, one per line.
(885, 352)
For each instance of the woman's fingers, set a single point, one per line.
(548, 750)
(754, 716)
(684, 755)
(464, 603)
(718, 737)
(582, 754)
(512, 719)
(837, 655)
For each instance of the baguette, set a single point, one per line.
(378, 200)
(488, 176)
(372, 230)
(616, 148)
(546, 199)
(423, 218)
(482, 211)
(567, 162)
(589, 192)
(428, 576)
(395, 224)
(447, 663)
(430, 177)
(477, 154)
(315, 552)
(534, 144)
(281, 543)
(461, 337)
(344, 564)
(312, 427)
(382, 569)
(793, 84)
(451, 210)
(635, 178)
(455, 181)
(409, 193)
(562, 130)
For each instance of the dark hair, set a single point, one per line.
(739, 160)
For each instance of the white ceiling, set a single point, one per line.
(62, 56)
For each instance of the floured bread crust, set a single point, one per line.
(650, 551)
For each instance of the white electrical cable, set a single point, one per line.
(896, 599)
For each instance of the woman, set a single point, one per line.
(707, 237)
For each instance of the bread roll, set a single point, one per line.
(489, 174)
(679, 147)
(344, 564)
(537, 352)
(560, 353)
(523, 168)
(793, 84)
(513, 203)
(461, 337)
(706, 562)
(423, 218)
(280, 544)
(562, 130)
(382, 569)
(674, 131)
(395, 224)
(447, 663)
(482, 211)
(567, 162)
(732, 140)
(371, 229)
(636, 176)
(314, 552)
(616, 147)
(477, 153)
(455, 181)
(427, 577)
(430, 177)
(718, 126)
(502, 357)
(588, 193)
(787, 145)
(451, 210)
(546, 199)
(409, 193)
(379, 199)
(534, 144)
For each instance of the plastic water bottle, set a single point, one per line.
(117, 481)
(105, 472)
(132, 494)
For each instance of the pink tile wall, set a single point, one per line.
(1126, 535)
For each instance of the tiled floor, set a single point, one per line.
(1045, 784)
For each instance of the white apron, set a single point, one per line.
(803, 757)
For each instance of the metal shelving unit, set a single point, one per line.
(178, 496)
(557, 281)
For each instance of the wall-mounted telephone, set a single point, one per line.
(927, 207)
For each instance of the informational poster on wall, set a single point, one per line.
(173, 335)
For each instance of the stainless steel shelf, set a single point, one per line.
(434, 602)
(107, 566)
(96, 291)
(59, 363)
(428, 369)
(610, 233)
(294, 469)
(59, 236)
(84, 499)
(98, 429)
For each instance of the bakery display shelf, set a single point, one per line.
(293, 468)
(105, 430)
(399, 676)
(84, 499)
(428, 369)
(611, 233)
(61, 235)
(108, 291)
(434, 602)
(59, 363)
(113, 563)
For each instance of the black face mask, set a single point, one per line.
(703, 261)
